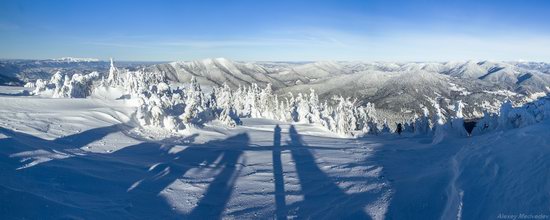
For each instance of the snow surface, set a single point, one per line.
(87, 159)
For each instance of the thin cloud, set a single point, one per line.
(328, 44)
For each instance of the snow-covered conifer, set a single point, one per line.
(385, 127)
(229, 117)
(422, 123)
(457, 122)
(292, 107)
(441, 128)
(192, 104)
(265, 103)
(344, 117)
(504, 121)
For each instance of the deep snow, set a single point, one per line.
(85, 158)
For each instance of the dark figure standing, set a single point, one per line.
(399, 128)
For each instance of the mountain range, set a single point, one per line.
(399, 89)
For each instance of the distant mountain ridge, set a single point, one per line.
(218, 71)
(525, 76)
(20, 71)
(76, 59)
(400, 88)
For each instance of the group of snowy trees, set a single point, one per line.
(163, 107)
(340, 115)
(510, 117)
(65, 86)
(178, 108)
(451, 126)
(344, 117)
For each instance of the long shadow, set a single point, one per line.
(25, 93)
(131, 182)
(126, 183)
(28, 191)
(323, 199)
(76, 140)
(219, 191)
(280, 203)
(86, 137)
(27, 142)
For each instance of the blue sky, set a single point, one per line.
(276, 30)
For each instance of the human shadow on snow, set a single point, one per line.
(280, 203)
(132, 181)
(323, 198)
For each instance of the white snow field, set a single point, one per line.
(64, 158)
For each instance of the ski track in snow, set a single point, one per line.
(78, 158)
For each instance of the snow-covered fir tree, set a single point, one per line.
(344, 116)
(440, 128)
(192, 104)
(457, 122)
(422, 123)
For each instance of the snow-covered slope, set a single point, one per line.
(407, 92)
(88, 159)
(481, 177)
(522, 77)
(218, 71)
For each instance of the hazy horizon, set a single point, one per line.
(277, 61)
